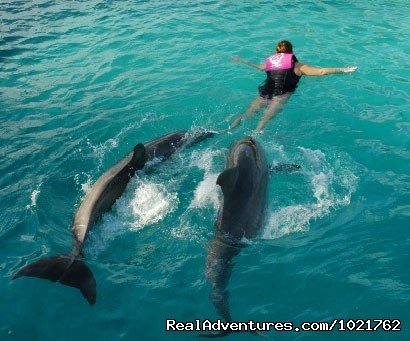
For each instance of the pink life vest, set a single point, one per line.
(279, 61)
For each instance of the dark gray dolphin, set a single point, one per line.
(70, 269)
(241, 213)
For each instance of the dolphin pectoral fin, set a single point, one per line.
(227, 179)
(285, 167)
(66, 270)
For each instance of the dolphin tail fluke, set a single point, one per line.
(66, 270)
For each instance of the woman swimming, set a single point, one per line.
(283, 71)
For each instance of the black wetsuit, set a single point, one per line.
(279, 82)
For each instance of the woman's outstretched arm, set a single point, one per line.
(304, 69)
(246, 62)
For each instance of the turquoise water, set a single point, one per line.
(81, 82)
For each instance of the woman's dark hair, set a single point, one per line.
(284, 46)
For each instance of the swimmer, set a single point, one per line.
(283, 71)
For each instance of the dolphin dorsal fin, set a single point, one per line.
(140, 154)
(227, 179)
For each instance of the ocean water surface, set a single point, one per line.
(82, 82)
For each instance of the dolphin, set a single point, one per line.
(70, 269)
(241, 214)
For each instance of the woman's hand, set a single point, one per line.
(244, 61)
(304, 69)
(236, 60)
(349, 69)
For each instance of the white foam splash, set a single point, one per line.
(101, 149)
(315, 158)
(206, 193)
(84, 181)
(144, 203)
(204, 159)
(151, 203)
(287, 220)
(205, 196)
(86, 187)
(34, 196)
(326, 183)
(183, 232)
(99, 239)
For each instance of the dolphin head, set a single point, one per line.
(246, 153)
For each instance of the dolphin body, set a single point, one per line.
(241, 213)
(70, 269)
